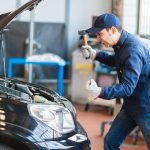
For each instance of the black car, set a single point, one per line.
(33, 117)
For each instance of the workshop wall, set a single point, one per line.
(46, 34)
(7, 5)
(47, 11)
(81, 12)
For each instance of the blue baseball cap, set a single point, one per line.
(103, 21)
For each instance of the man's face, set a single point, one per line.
(106, 37)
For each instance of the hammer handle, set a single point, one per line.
(84, 40)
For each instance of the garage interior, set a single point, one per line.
(49, 34)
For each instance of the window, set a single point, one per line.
(136, 17)
(130, 15)
(144, 18)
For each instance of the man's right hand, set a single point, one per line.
(88, 52)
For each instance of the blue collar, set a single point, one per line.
(121, 41)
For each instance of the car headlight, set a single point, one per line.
(56, 117)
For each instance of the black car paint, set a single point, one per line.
(17, 124)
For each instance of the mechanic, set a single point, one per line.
(132, 61)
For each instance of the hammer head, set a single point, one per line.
(82, 32)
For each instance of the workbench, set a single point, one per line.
(60, 70)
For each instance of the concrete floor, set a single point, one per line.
(91, 119)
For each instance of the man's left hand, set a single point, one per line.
(93, 90)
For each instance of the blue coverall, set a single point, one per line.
(132, 61)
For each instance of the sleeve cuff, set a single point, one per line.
(98, 95)
(95, 56)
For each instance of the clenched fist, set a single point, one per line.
(88, 52)
(93, 90)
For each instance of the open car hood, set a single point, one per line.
(6, 18)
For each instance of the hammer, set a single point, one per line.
(83, 33)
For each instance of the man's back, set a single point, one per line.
(135, 56)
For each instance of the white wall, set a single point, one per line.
(7, 5)
(47, 11)
(81, 12)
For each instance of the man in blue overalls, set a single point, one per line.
(132, 61)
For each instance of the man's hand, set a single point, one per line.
(93, 90)
(88, 52)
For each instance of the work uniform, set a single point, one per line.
(132, 61)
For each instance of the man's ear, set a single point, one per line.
(113, 29)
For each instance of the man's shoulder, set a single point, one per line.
(132, 40)
(134, 43)
(134, 46)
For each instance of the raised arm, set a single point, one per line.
(130, 75)
(106, 58)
